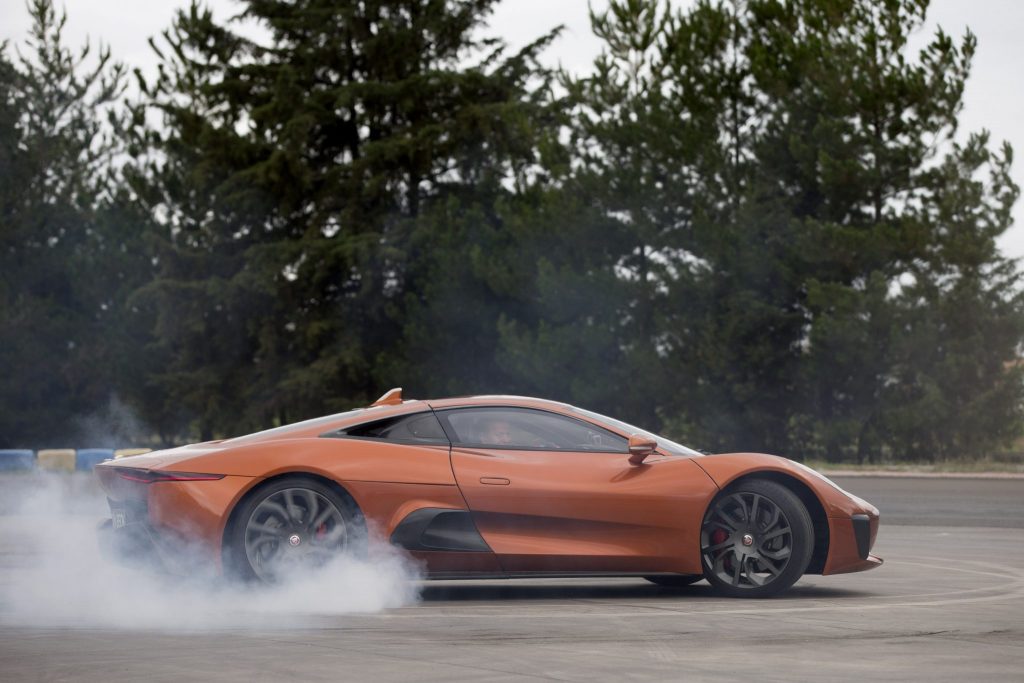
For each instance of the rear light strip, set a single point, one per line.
(151, 477)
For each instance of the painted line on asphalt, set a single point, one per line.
(1014, 590)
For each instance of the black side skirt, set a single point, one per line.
(439, 529)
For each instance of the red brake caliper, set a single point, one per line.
(719, 536)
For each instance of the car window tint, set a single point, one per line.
(419, 428)
(529, 429)
(666, 445)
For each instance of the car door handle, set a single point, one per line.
(495, 481)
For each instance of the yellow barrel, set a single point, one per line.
(129, 452)
(56, 460)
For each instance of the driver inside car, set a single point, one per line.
(498, 433)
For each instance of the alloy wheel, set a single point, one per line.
(291, 530)
(747, 540)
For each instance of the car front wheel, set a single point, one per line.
(756, 539)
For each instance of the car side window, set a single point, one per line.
(524, 428)
(418, 428)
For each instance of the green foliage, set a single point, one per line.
(787, 251)
(307, 187)
(753, 225)
(857, 134)
(56, 145)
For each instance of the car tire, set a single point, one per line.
(291, 525)
(756, 539)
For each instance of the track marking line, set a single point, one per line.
(1015, 586)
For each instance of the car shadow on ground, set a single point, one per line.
(443, 591)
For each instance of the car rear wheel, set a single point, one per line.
(756, 540)
(292, 526)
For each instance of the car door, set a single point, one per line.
(555, 494)
(419, 506)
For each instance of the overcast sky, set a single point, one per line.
(994, 99)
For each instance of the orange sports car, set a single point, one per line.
(489, 487)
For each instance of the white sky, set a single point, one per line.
(994, 99)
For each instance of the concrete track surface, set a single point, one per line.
(948, 605)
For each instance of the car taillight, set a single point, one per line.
(151, 477)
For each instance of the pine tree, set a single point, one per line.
(57, 122)
(853, 145)
(955, 385)
(670, 306)
(786, 249)
(303, 184)
(600, 282)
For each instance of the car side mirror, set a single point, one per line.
(639, 448)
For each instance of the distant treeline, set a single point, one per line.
(751, 226)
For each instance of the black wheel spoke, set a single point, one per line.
(774, 534)
(312, 507)
(773, 519)
(262, 540)
(730, 523)
(780, 554)
(265, 529)
(737, 569)
(322, 519)
(745, 516)
(769, 566)
(271, 508)
(293, 510)
(754, 575)
(719, 546)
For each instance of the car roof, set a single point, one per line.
(320, 425)
(327, 423)
(498, 400)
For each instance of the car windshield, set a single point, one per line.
(666, 445)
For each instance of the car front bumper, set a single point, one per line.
(850, 544)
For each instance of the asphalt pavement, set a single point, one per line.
(946, 606)
(996, 502)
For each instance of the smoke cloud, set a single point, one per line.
(53, 574)
(114, 425)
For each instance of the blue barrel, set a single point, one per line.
(17, 459)
(87, 458)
